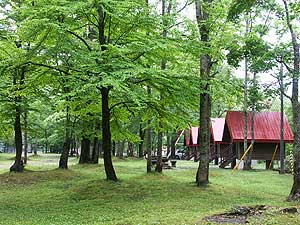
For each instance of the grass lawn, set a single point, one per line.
(45, 195)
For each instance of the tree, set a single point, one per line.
(202, 16)
(295, 191)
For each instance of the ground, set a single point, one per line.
(46, 195)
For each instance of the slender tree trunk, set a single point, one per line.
(149, 139)
(249, 155)
(113, 148)
(130, 149)
(95, 151)
(141, 144)
(47, 142)
(281, 152)
(168, 143)
(205, 100)
(247, 162)
(295, 191)
(18, 164)
(159, 163)
(120, 146)
(63, 161)
(85, 156)
(106, 136)
(25, 137)
(173, 147)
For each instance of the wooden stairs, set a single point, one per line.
(228, 158)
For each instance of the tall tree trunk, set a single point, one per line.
(141, 144)
(247, 165)
(63, 161)
(120, 149)
(85, 156)
(173, 146)
(113, 151)
(25, 137)
(149, 140)
(95, 151)
(47, 142)
(205, 100)
(281, 150)
(159, 163)
(130, 149)
(106, 136)
(168, 143)
(295, 191)
(18, 164)
(247, 161)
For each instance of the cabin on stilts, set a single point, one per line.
(266, 136)
(227, 138)
(217, 145)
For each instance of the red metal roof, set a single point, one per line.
(217, 129)
(266, 127)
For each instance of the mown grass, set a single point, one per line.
(80, 195)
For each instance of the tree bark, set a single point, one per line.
(295, 191)
(95, 151)
(247, 161)
(18, 164)
(130, 149)
(281, 150)
(205, 100)
(159, 163)
(249, 155)
(85, 156)
(63, 161)
(106, 136)
(120, 149)
(25, 137)
(168, 143)
(113, 151)
(47, 142)
(173, 147)
(141, 144)
(149, 140)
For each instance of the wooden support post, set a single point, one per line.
(233, 164)
(217, 152)
(269, 164)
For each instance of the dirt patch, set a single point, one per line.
(238, 215)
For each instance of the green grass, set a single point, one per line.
(80, 195)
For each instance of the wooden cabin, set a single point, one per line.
(266, 135)
(227, 138)
(217, 147)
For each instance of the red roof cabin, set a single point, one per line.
(227, 137)
(266, 135)
(217, 144)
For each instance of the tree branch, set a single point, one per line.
(81, 39)
(277, 78)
